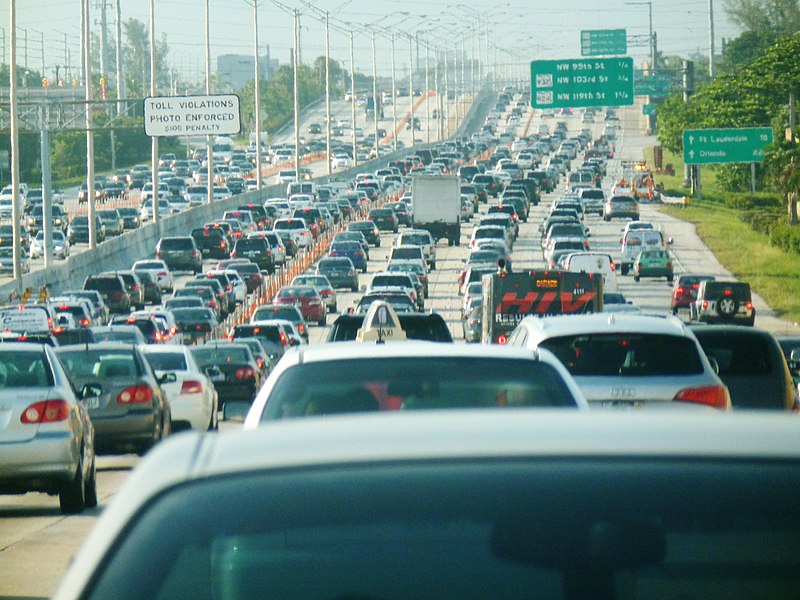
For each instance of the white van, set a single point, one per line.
(637, 240)
(301, 187)
(594, 262)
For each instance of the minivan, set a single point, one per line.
(594, 262)
(637, 240)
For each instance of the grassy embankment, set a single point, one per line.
(772, 273)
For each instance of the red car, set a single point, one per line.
(306, 298)
(685, 291)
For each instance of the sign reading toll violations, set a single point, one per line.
(582, 82)
(713, 146)
(191, 115)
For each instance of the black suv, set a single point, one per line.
(212, 241)
(113, 290)
(180, 254)
(258, 250)
(724, 302)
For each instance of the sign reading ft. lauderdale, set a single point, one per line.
(191, 115)
(582, 82)
(710, 146)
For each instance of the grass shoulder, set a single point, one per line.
(771, 272)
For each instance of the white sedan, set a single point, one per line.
(60, 245)
(192, 397)
(159, 272)
(340, 161)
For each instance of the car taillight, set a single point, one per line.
(749, 306)
(669, 265)
(135, 394)
(260, 362)
(715, 396)
(301, 328)
(228, 287)
(705, 304)
(158, 254)
(85, 322)
(639, 266)
(212, 304)
(190, 386)
(502, 339)
(45, 411)
(679, 290)
(245, 373)
(194, 253)
(325, 293)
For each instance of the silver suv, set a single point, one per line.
(628, 361)
(423, 239)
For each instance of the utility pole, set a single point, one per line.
(84, 13)
(47, 217)
(427, 92)
(688, 90)
(103, 39)
(711, 38)
(394, 101)
(328, 92)
(17, 249)
(257, 95)
(375, 96)
(87, 72)
(411, 90)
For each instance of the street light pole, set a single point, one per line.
(411, 90)
(257, 95)
(427, 91)
(295, 67)
(375, 95)
(17, 250)
(327, 93)
(154, 153)
(87, 72)
(353, 100)
(394, 100)
(209, 139)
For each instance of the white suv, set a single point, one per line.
(628, 361)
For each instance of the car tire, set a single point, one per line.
(670, 279)
(353, 288)
(322, 322)
(72, 496)
(90, 488)
(364, 270)
(213, 424)
(636, 278)
(727, 307)
(624, 269)
(433, 266)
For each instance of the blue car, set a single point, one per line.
(351, 250)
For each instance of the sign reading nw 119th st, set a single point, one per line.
(582, 82)
(711, 146)
(191, 115)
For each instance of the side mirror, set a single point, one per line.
(91, 390)
(168, 377)
(714, 364)
(671, 241)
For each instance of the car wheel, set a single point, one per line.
(624, 269)
(670, 279)
(364, 270)
(322, 322)
(71, 497)
(433, 266)
(636, 278)
(90, 488)
(449, 242)
(353, 288)
(334, 309)
(727, 307)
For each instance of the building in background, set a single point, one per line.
(234, 71)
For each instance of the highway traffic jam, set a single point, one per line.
(525, 266)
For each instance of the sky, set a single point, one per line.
(522, 31)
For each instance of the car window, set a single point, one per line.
(738, 354)
(383, 384)
(166, 361)
(99, 363)
(24, 370)
(630, 355)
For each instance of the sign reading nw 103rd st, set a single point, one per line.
(582, 82)
(712, 146)
(191, 115)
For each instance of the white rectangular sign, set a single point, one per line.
(191, 115)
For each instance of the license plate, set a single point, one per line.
(622, 405)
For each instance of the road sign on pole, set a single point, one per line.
(652, 86)
(604, 42)
(582, 82)
(191, 115)
(714, 146)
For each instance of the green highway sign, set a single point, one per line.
(712, 146)
(582, 82)
(604, 42)
(652, 86)
(648, 109)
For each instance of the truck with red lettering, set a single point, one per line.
(510, 297)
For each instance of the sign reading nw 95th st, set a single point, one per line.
(582, 82)
(711, 146)
(191, 115)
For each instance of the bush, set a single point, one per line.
(786, 237)
(760, 220)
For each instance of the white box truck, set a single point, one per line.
(436, 205)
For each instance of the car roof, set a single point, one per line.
(381, 438)
(607, 323)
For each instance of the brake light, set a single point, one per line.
(502, 339)
(190, 386)
(45, 411)
(245, 373)
(639, 266)
(135, 394)
(749, 306)
(705, 304)
(228, 287)
(85, 322)
(669, 265)
(260, 362)
(194, 253)
(715, 396)
(679, 290)
(284, 339)
(158, 254)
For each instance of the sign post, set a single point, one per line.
(582, 82)
(604, 42)
(191, 115)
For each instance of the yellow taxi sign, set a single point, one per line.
(380, 324)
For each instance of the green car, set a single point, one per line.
(653, 263)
